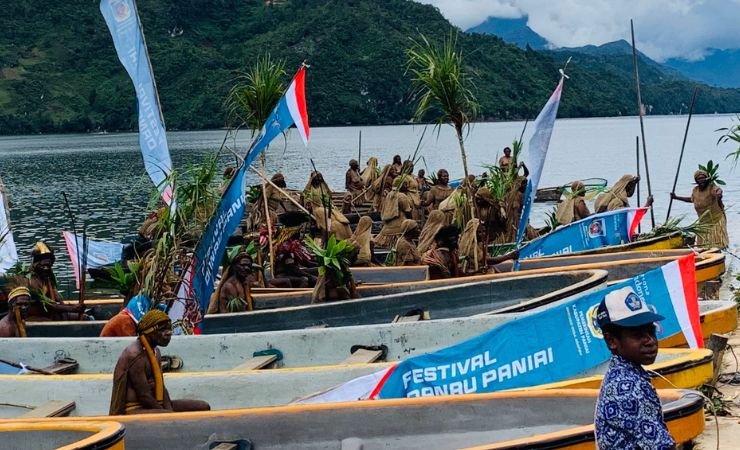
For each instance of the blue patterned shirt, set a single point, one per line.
(628, 413)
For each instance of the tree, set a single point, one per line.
(441, 83)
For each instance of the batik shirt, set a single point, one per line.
(628, 413)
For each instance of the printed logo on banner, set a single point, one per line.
(593, 324)
(632, 302)
(597, 228)
(120, 9)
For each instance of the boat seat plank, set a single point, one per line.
(363, 356)
(63, 367)
(52, 408)
(226, 446)
(257, 362)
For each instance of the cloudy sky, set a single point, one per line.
(663, 28)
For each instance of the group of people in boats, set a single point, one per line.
(418, 227)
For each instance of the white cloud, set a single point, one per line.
(663, 28)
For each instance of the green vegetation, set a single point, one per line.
(59, 70)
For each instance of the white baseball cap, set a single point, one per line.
(624, 308)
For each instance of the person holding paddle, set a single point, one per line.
(13, 324)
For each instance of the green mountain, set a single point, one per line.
(515, 31)
(59, 70)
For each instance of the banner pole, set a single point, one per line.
(642, 124)
(637, 158)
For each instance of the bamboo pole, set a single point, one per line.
(268, 220)
(642, 124)
(683, 147)
(282, 191)
(359, 147)
(637, 158)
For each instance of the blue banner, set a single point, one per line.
(128, 38)
(290, 110)
(596, 231)
(557, 343)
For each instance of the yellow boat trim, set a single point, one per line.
(103, 430)
(720, 321)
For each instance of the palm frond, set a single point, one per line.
(255, 93)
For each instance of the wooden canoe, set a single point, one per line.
(445, 300)
(683, 368)
(558, 419)
(62, 434)
(303, 348)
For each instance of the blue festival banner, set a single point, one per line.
(123, 22)
(538, 146)
(596, 231)
(290, 110)
(557, 343)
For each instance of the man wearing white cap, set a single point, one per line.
(628, 413)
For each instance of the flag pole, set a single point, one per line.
(683, 147)
(268, 221)
(637, 158)
(642, 124)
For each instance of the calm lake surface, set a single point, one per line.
(104, 179)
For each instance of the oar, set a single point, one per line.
(683, 147)
(642, 124)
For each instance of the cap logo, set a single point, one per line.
(633, 302)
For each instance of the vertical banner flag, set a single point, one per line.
(596, 231)
(99, 253)
(538, 145)
(290, 110)
(128, 38)
(8, 252)
(559, 342)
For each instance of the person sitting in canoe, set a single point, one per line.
(14, 323)
(353, 180)
(233, 293)
(619, 194)
(406, 253)
(439, 192)
(397, 164)
(396, 208)
(628, 412)
(47, 303)
(573, 208)
(138, 384)
(442, 260)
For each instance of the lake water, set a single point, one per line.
(104, 179)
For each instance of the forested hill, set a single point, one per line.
(59, 70)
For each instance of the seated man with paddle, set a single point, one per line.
(138, 384)
(47, 303)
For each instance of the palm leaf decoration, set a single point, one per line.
(441, 85)
(712, 171)
(731, 134)
(332, 261)
(255, 93)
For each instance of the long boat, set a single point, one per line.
(710, 265)
(682, 368)
(558, 419)
(299, 348)
(62, 434)
(445, 300)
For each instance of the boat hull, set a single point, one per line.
(63, 434)
(534, 420)
(454, 300)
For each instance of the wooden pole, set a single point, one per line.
(642, 124)
(637, 158)
(683, 147)
(359, 147)
(282, 191)
(268, 219)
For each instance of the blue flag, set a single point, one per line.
(128, 38)
(290, 110)
(538, 146)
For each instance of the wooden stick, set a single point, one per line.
(637, 158)
(268, 220)
(642, 124)
(359, 147)
(282, 191)
(683, 147)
